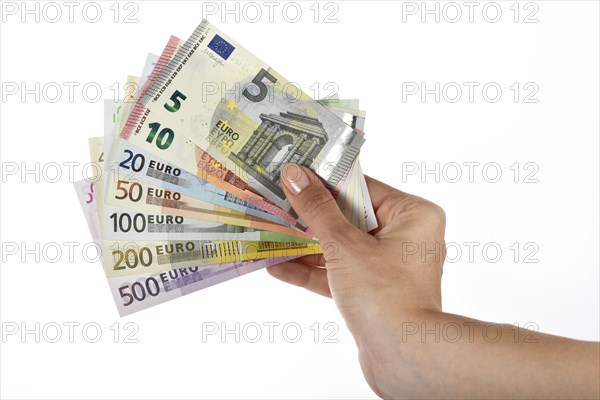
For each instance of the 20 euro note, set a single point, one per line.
(257, 131)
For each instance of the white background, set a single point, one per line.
(369, 53)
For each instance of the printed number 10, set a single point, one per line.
(161, 142)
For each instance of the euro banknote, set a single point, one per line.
(134, 257)
(257, 131)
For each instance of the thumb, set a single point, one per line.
(313, 202)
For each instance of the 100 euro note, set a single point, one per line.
(256, 132)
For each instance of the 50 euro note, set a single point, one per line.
(256, 131)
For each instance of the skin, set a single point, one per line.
(388, 290)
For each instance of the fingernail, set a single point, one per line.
(294, 178)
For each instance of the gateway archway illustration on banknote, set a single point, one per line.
(279, 139)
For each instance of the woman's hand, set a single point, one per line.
(387, 286)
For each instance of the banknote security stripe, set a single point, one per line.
(165, 177)
(229, 251)
(189, 228)
(159, 201)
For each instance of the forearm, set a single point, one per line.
(439, 355)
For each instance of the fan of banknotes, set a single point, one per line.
(186, 192)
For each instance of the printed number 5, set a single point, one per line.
(261, 86)
(123, 295)
(176, 102)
